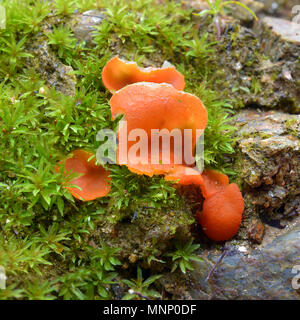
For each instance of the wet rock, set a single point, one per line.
(256, 67)
(262, 273)
(83, 25)
(268, 162)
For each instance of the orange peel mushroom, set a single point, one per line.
(94, 181)
(150, 106)
(223, 204)
(118, 73)
(213, 182)
(221, 214)
(223, 207)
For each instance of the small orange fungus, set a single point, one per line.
(223, 204)
(221, 214)
(213, 181)
(119, 73)
(94, 179)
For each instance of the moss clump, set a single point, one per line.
(52, 102)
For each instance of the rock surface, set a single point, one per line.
(289, 31)
(280, 41)
(257, 67)
(268, 162)
(266, 271)
(46, 62)
(261, 273)
(83, 25)
(52, 70)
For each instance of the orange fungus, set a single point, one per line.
(213, 181)
(221, 214)
(156, 110)
(94, 179)
(118, 73)
(150, 99)
(223, 205)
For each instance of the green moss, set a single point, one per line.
(292, 127)
(255, 85)
(46, 234)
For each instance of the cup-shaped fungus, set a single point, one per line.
(94, 181)
(167, 121)
(223, 204)
(119, 73)
(213, 182)
(221, 214)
